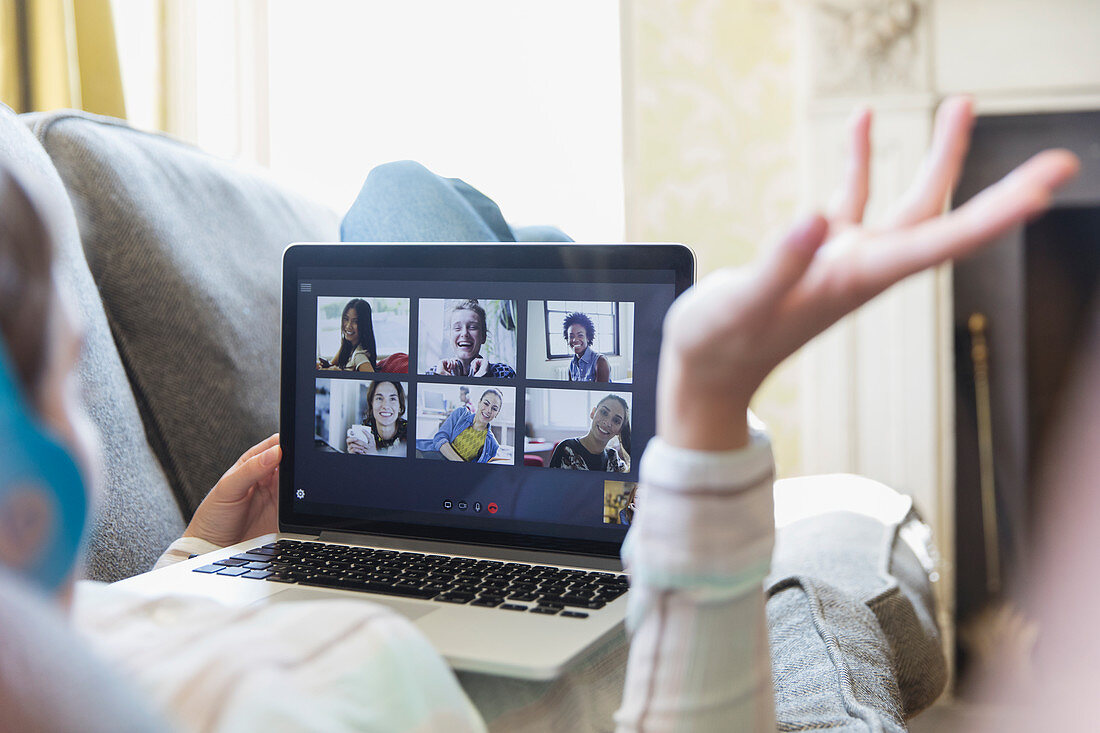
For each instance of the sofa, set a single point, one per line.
(173, 259)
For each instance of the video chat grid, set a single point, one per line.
(535, 367)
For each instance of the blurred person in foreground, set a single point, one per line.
(698, 548)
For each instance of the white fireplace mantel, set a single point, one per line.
(877, 389)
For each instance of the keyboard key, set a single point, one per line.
(232, 571)
(455, 598)
(209, 569)
(258, 565)
(229, 562)
(257, 574)
(574, 614)
(549, 611)
(249, 557)
(489, 602)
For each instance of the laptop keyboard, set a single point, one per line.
(509, 586)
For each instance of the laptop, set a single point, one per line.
(461, 428)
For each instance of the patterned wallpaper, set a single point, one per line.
(710, 145)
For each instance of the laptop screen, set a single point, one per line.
(497, 394)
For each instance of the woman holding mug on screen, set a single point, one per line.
(384, 430)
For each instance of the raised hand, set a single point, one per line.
(244, 503)
(724, 336)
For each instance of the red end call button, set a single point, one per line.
(492, 507)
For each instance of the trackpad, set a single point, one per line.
(408, 609)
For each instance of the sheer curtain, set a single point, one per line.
(521, 98)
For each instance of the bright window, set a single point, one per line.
(520, 98)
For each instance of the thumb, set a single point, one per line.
(788, 262)
(234, 485)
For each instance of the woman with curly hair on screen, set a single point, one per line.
(610, 418)
(587, 365)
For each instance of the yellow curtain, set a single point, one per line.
(59, 53)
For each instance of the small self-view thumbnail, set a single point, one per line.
(585, 430)
(363, 334)
(361, 417)
(620, 499)
(467, 423)
(580, 341)
(468, 337)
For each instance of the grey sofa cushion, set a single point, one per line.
(850, 612)
(137, 515)
(186, 251)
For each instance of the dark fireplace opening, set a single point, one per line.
(1062, 262)
(1033, 293)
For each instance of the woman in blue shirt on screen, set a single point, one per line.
(587, 364)
(465, 435)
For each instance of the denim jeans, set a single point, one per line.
(406, 202)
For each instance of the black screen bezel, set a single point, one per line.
(676, 258)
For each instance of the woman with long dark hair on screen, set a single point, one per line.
(610, 418)
(357, 350)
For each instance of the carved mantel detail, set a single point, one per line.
(868, 46)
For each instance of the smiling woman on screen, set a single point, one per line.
(610, 419)
(587, 365)
(384, 429)
(357, 350)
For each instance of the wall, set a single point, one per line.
(709, 135)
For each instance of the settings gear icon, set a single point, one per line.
(300, 493)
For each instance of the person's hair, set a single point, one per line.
(366, 334)
(370, 399)
(493, 390)
(471, 304)
(579, 318)
(26, 284)
(630, 500)
(624, 434)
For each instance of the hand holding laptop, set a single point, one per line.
(723, 337)
(244, 503)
